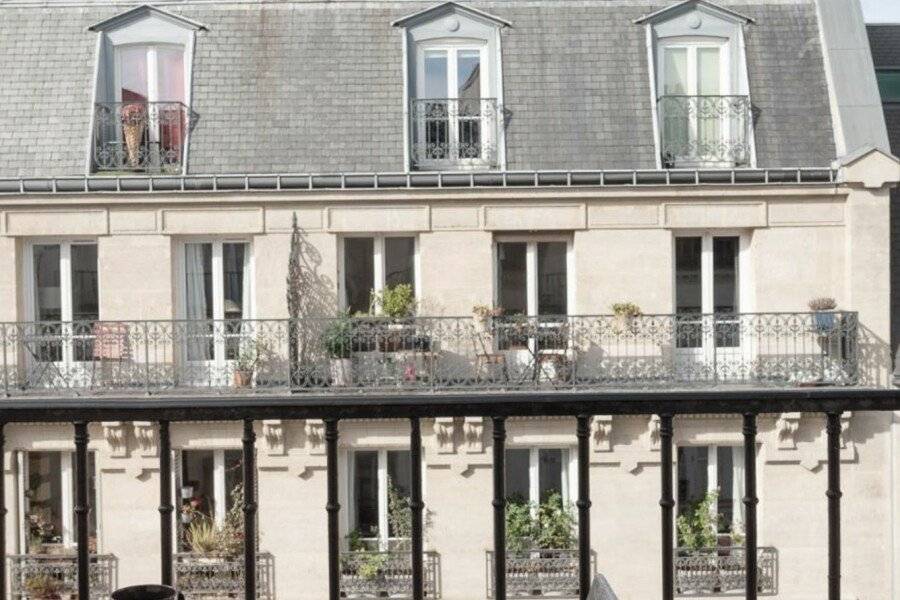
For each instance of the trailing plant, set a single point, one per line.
(823, 303)
(395, 301)
(698, 527)
(626, 309)
(337, 339)
(43, 586)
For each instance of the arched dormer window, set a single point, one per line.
(701, 90)
(142, 116)
(454, 90)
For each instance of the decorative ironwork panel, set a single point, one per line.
(220, 578)
(385, 575)
(425, 354)
(140, 136)
(453, 133)
(705, 131)
(537, 573)
(60, 571)
(721, 571)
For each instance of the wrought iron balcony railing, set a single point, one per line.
(31, 572)
(430, 353)
(201, 577)
(140, 136)
(722, 571)
(385, 574)
(454, 133)
(705, 131)
(539, 573)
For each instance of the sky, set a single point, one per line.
(881, 11)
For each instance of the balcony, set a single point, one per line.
(385, 574)
(540, 573)
(201, 577)
(454, 133)
(142, 137)
(33, 574)
(705, 131)
(722, 571)
(429, 354)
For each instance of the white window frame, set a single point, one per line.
(692, 44)
(220, 493)
(712, 477)
(569, 490)
(218, 291)
(65, 284)
(378, 258)
(67, 500)
(531, 274)
(383, 540)
(452, 49)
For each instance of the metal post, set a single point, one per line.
(3, 342)
(333, 508)
(2, 512)
(82, 508)
(583, 431)
(834, 506)
(165, 503)
(750, 502)
(499, 508)
(249, 458)
(416, 507)
(667, 503)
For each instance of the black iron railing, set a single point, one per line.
(721, 571)
(140, 136)
(748, 402)
(447, 133)
(705, 131)
(430, 354)
(31, 574)
(374, 574)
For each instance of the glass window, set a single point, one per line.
(552, 280)
(170, 63)
(48, 282)
(512, 268)
(380, 477)
(374, 263)
(365, 488)
(85, 291)
(725, 274)
(49, 508)
(133, 74)
(535, 474)
(435, 74)
(529, 286)
(708, 71)
(197, 481)
(550, 473)
(675, 75)
(138, 83)
(469, 74)
(518, 478)
(688, 290)
(706, 470)
(209, 480)
(234, 475)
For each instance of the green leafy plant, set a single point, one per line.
(548, 525)
(698, 527)
(43, 586)
(371, 565)
(626, 309)
(250, 356)
(399, 513)
(226, 540)
(337, 339)
(395, 301)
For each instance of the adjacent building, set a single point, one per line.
(398, 197)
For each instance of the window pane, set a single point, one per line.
(675, 71)
(468, 64)
(435, 74)
(692, 477)
(197, 468)
(43, 499)
(518, 486)
(550, 473)
(359, 276)
(170, 63)
(198, 301)
(133, 73)
(725, 274)
(512, 277)
(365, 492)
(400, 479)
(889, 84)
(233, 256)
(234, 475)
(85, 293)
(688, 289)
(399, 261)
(725, 476)
(48, 296)
(708, 72)
(552, 278)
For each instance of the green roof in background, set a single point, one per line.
(889, 84)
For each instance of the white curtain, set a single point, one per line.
(195, 303)
(738, 488)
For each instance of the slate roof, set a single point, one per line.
(884, 41)
(318, 86)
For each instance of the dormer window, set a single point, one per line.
(702, 101)
(142, 115)
(455, 96)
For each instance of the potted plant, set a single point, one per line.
(44, 586)
(245, 365)
(824, 313)
(41, 532)
(134, 119)
(398, 304)
(337, 339)
(625, 314)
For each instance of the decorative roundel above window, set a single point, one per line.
(452, 24)
(695, 21)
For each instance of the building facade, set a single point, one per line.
(242, 198)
